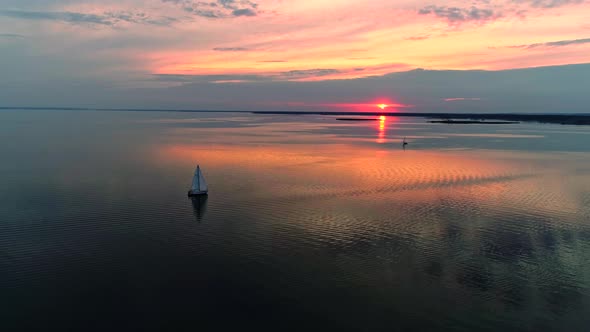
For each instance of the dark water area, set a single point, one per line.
(310, 224)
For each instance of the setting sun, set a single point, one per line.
(382, 106)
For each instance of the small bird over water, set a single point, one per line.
(404, 143)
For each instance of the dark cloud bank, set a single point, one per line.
(484, 11)
(218, 8)
(554, 43)
(540, 90)
(456, 15)
(213, 9)
(549, 3)
(105, 19)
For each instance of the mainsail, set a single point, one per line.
(199, 183)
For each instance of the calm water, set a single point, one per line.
(311, 224)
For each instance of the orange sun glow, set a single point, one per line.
(382, 106)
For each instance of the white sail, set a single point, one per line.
(202, 183)
(199, 184)
(195, 186)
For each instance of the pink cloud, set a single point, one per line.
(302, 39)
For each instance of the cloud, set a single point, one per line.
(456, 15)
(231, 49)
(558, 43)
(210, 78)
(502, 91)
(140, 18)
(244, 12)
(218, 8)
(549, 3)
(107, 18)
(492, 11)
(461, 99)
(422, 37)
(292, 75)
(307, 73)
(11, 35)
(69, 17)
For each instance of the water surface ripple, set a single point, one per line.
(311, 224)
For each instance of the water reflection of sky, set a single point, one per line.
(497, 215)
(470, 228)
(391, 130)
(319, 158)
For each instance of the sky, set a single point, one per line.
(481, 55)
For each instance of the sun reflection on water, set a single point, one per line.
(381, 135)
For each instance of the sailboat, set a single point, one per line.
(199, 186)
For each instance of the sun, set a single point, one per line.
(382, 106)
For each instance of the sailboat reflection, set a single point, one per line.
(199, 206)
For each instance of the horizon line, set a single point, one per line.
(569, 118)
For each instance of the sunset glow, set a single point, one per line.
(231, 52)
(297, 41)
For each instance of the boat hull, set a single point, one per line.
(193, 193)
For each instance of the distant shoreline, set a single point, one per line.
(565, 119)
(447, 121)
(472, 122)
